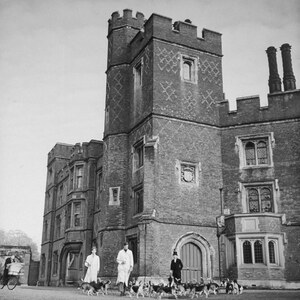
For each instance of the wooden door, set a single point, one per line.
(191, 257)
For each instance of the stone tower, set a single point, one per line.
(162, 157)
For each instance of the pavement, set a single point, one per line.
(72, 293)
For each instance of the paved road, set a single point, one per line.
(46, 293)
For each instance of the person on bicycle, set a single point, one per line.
(7, 263)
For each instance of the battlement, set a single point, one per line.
(117, 21)
(161, 27)
(86, 150)
(78, 151)
(281, 106)
(60, 150)
(183, 33)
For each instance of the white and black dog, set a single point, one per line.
(94, 288)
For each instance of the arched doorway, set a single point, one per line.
(197, 256)
(69, 263)
(192, 257)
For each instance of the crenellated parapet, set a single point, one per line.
(128, 35)
(116, 21)
(281, 106)
(68, 152)
(61, 151)
(84, 151)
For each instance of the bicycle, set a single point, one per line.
(14, 272)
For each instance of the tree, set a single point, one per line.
(19, 238)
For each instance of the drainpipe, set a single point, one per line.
(218, 234)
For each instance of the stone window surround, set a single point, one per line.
(239, 148)
(193, 62)
(112, 201)
(277, 239)
(243, 193)
(197, 169)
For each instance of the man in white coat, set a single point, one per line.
(93, 264)
(125, 266)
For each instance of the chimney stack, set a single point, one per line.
(274, 79)
(289, 81)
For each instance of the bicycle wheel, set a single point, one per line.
(12, 282)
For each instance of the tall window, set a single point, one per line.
(99, 188)
(77, 214)
(55, 262)
(258, 252)
(46, 230)
(138, 155)
(58, 226)
(256, 152)
(247, 252)
(79, 177)
(188, 69)
(60, 194)
(71, 178)
(138, 75)
(138, 200)
(260, 199)
(43, 265)
(68, 216)
(271, 246)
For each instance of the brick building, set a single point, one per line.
(176, 169)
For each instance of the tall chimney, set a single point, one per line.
(274, 79)
(289, 81)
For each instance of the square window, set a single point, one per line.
(255, 151)
(260, 198)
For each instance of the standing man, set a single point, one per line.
(93, 264)
(176, 267)
(125, 266)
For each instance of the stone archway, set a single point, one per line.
(73, 248)
(197, 256)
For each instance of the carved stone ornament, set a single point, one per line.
(187, 173)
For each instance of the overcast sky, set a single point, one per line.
(52, 77)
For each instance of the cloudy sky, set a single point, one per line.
(52, 77)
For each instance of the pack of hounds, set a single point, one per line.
(147, 289)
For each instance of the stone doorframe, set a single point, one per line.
(207, 251)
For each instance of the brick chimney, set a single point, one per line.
(274, 79)
(289, 81)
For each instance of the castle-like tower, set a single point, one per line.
(177, 170)
(162, 158)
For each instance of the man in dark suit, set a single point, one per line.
(176, 267)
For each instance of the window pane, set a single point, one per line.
(258, 252)
(187, 71)
(139, 201)
(253, 200)
(272, 252)
(247, 252)
(266, 200)
(250, 154)
(262, 153)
